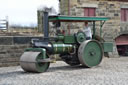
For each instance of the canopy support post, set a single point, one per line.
(101, 25)
(94, 30)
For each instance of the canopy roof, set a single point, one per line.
(76, 18)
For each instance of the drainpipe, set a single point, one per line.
(68, 7)
(68, 15)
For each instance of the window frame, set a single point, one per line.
(88, 10)
(124, 15)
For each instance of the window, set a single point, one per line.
(89, 11)
(124, 14)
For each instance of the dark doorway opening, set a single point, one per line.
(122, 44)
(122, 50)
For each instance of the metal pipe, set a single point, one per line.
(68, 15)
(68, 7)
(94, 30)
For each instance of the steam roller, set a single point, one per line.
(73, 49)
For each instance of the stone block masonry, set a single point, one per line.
(104, 8)
(10, 54)
(12, 47)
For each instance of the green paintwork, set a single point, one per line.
(42, 50)
(60, 37)
(41, 67)
(69, 39)
(76, 18)
(107, 46)
(80, 37)
(92, 54)
(62, 48)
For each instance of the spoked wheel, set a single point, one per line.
(29, 62)
(90, 53)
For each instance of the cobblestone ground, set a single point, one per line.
(112, 71)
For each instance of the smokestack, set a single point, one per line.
(45, 25)
(46, 11)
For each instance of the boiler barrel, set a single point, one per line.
(62, 48)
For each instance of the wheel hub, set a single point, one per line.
(92, 53)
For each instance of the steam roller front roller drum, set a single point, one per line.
(29, 62)
(90, 53)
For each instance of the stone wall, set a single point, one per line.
(10, 54)
(123, 25)
(40, 21)
(104, 8)
(11, 48)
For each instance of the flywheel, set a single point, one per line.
(80, 37)
(29, 62)
(90, 53)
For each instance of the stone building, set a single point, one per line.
(114, 30)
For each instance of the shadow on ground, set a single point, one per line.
(14, 74)
(66, 68)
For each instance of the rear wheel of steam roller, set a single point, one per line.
(90, 53)
(29, 62)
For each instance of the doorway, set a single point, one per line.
(122, 44)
